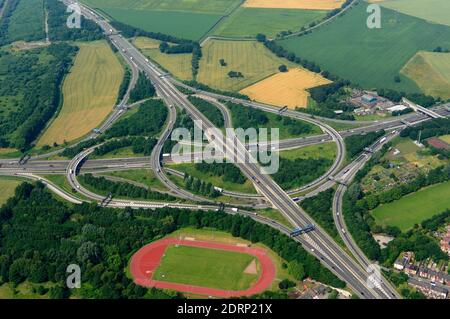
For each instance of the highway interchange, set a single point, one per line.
(352, 270)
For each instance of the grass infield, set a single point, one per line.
(206, 268)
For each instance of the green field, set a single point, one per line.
(217, 181)
(248, 22)
(326, 150)
(143, 176)
(207, 6)
(251, 58)
(431, 72)
(414, 208)
(432, 10)
(370, 57)
(27, 21)
(206, 268)
(186, 19)
(7, 187)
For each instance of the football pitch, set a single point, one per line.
(206, 268)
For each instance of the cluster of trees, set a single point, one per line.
(196, 56)
(8, 9)
(204, 87)
(355, 144)
(164, 47)
(319, 208)
(283, 53)
(328, 98)
(402, 112)
(200, 187)
(147, 121)
(294, 173)
(435, 127)
(419, 98)
(235, 74)
(124, 85)
(142, 90)
(123, 189)
(414, 240)
(433, 223)
(293, 126)
(440, 49)
(209, 110)
(228, 171)
(140, 145)
(183, 121)
(74, 150)
(35, 82)
(245, 117)
(21, 21)
(58, 30)
(40, 239)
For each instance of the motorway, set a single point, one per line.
(317, 242)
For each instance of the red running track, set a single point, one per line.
(146, 261)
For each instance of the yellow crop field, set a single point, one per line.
(445, 138)
(180, 65)
(431, 72)
(251, 58)
(285, 89)
(89, 91)
(295, 4)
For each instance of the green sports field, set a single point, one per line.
(414, 208)
(248, 22)
(370, 57)
(206, 268)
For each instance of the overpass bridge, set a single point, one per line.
(421, 109)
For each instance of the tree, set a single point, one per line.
(286, 284)
(88, 251)
(283, 68)
(296, 270)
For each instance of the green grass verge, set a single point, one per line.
(414, 208)
(144, 176)
(218, 181)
